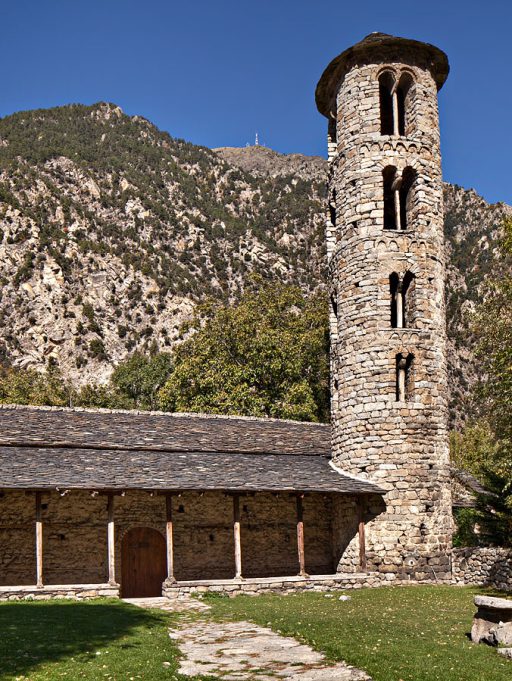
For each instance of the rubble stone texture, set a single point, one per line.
(400, 444)
(485, 565)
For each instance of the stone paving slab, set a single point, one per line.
(243, 651)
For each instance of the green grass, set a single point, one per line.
(395, 634)
(100, 639)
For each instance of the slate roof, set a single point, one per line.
(48, 448)
(159, 431)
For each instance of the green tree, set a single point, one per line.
(26, 386)
(267, 355)
(135, 383)
(485, 446)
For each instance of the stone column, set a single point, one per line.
(39, 542)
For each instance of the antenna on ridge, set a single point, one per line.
(256, 141)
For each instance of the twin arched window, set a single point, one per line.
(396, 103)
(397, 197)
(402, 292)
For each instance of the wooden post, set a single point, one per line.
(111, 546)
(236, 533)
(169, 538)
(362, 537)
(300, 536)
(39, 542)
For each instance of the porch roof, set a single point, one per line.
(106, 469)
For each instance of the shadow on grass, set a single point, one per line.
(34, 633)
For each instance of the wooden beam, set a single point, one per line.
(169, 538)
(300, 537)
(236, 533)
(111, 541)
(39, 542)
(362, 535)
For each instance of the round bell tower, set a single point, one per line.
(386, 272)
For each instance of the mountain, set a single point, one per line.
(112, 232)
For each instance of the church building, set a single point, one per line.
(98, 502)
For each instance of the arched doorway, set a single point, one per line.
(143, 563)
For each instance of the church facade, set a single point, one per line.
(134, 504)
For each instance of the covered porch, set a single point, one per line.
(141, 543)
(104, 503)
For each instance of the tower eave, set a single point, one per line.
(377, 44)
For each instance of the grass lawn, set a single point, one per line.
(100, 639)
(395, 634)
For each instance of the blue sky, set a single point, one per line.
(214, 72)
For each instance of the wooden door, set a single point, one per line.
(143, 563)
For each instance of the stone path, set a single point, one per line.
(242, 651)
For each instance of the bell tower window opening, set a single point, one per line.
(404, 377)
(332, 209)
(387, 117)
(406, 197)
(408, 291)
(331, 138)
(401, 293)
(404, 93)
(334, 305)
(396, 302)
(391, 214)
(331, 131)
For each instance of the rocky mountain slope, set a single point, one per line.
(111, 232)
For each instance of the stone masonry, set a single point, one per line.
(389, 408)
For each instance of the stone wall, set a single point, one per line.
(484, 566)
(75, 535)
(400, 445)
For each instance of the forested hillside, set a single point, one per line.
(112, 231)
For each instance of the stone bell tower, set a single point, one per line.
(386, 272)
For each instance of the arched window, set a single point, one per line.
(408, 294)
(396, 101)
(401, 293)
(405, 196)
(396, 303)
(332, 209)
(334, 305)
(390, 209)
(404, 377)
(331, 138)
(386, 85)
(404, 94)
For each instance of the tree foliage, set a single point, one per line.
(265, 356)
(138, 379)
(485, 446)
(26, 386)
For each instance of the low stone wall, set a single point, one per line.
(483, 566)
(75, 591)
(280, 585)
